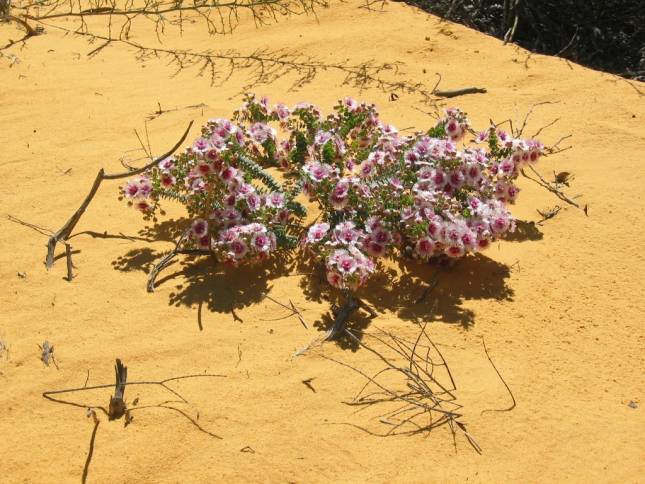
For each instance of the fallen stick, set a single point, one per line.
(460, 92)
(64, 232)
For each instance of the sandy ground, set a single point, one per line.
(561, 312)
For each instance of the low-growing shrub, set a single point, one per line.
(443, 192)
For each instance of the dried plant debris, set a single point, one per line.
(413, 392)
(47, 354)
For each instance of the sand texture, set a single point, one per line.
(561, 309)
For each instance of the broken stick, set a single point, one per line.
(64, 232)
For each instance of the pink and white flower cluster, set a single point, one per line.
(242, 242)
(237, 209)
(380, 193)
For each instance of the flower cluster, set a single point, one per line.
(238, 210)
(379, 193)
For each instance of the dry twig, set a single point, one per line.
(65, 231)
(416, 398)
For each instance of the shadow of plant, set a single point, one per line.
(220, 288)
(141, 259)
(475, 277)
(411, 290)
(524, 231)
(168, 230)
(417, 292)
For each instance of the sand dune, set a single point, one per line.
(561, 312)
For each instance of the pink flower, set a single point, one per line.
(455, 251)
(131, 189)
(167, 164)
(204, 242)
(317, 232)
(275, 200)
(350, 104)
(322, 137)
(261, 132)
(439, 178)
(168, 180)
(374, 248)
(199, 228)
(200, 145)
(365, 169)
(317, 171)
(238, 248)
(381, 236)
(261, 242)
(346, 264)
(483, 244)
(282, 111)
(473, 174)
(282, 217)
(253, 201)
(204, 169)
(334, 279)
(424, 247)
(499, 225)
(231, 216)
(228, 174)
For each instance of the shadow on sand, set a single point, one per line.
(413, 291)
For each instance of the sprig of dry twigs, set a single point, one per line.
(415, 385)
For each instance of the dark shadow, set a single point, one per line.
(106, 235)
(358, 323)
(475, 277)
(62, 255)
(524, 231)
(137, 260)
(220, 288)
(168, 230)
(90, 453)
(434, 291)
(203, 282)
(143, 259)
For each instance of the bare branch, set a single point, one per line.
(65, 231)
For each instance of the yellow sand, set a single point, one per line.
(561, 316)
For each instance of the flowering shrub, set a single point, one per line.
(379, 193)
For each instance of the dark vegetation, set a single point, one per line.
(608, 35)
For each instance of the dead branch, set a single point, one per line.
(37, 228)
(553, 189)
(117, 407)
(29, 30)
(460, 92)
(68, 256)
(519, 133)
(419, 402)
(548, 214)
(433, 283)
(341, 316)
(291, 307)
(64, 232)
(168, 258)
(120, 385)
